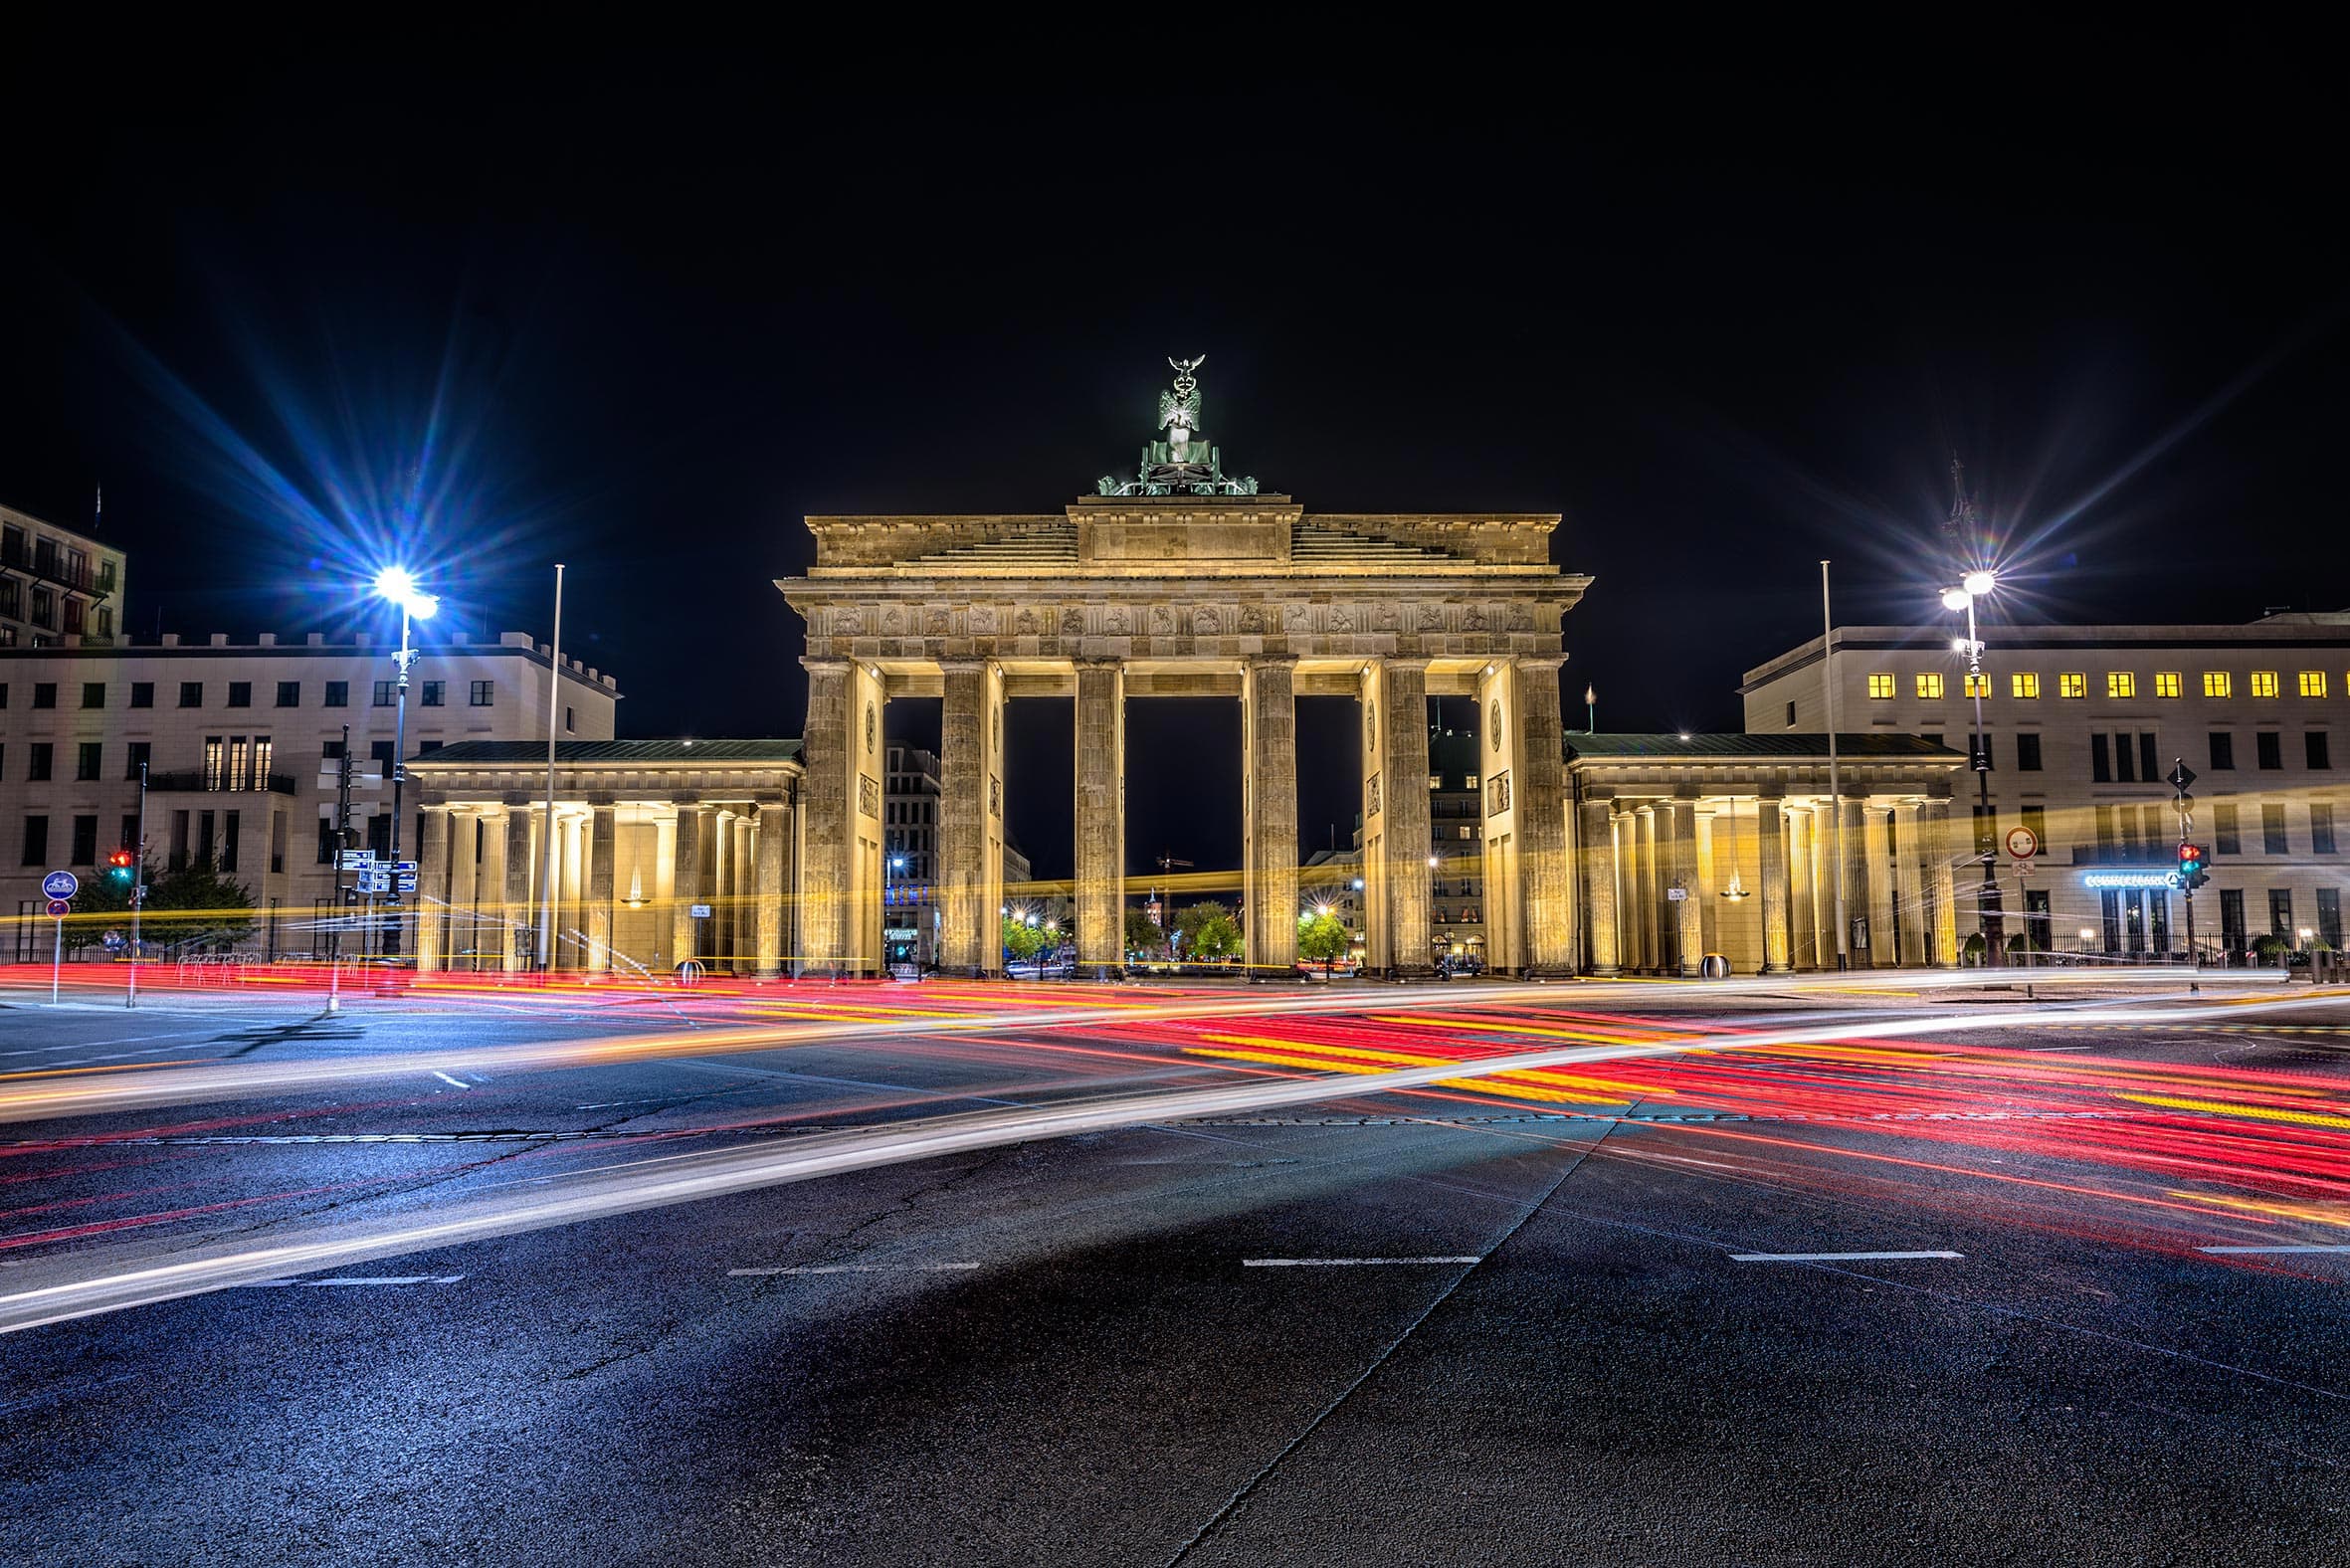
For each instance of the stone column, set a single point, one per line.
(1101, 813)
(1402, 720)
(1803, 915)
(741, 931)
(684, 884)
(1268, 811)
(967, 933)
(1936, 849)
(603, 856)
(774, 841)
(521, 950)
(1705, 892)
(1598, 857)
(1771, 842)
(718, 828)
(1856, 877)
(464, 847)
(1651, 944)
(1885, 948)
(432, 890)
(1690, 915)
(1539, 806)
(840, 872)
(1909, 870)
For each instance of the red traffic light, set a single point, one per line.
(2190, 852)
(121, 860)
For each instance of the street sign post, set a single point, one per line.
(61, 885)
(2023, 843)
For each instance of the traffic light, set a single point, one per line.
(121, 866)
(2191, 866)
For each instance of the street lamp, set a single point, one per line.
(398, 584)
(1975, 585)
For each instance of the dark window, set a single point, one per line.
(2100, 760)
(2329, 917)
(228, 841)
(2028, 753)
(327, 842)
(93, 694)
(484, 692)
(334, 749)
(3, 694)
(39, 768)
(45, 694)
(425, 748)
(191, 694)
(2125, 766)
(2321, 827)
(87, 759)
(142, 693)
(338, 695)
(569, 727)
(84, 841)
(2270, 748)
(2222, 751)
(381, 751)
(2148, 768)
(240, 693)
(2231, 932)
(2223, 830)
(2280, 913)
(2273, 829)
(36, 841)
(141, 753)
(1791, 715)
(383, 693)
(290, 694)
(2320, 752)
(434, 690)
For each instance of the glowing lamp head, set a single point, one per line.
(1956, 598)
(398, 584)
(1978, 583)
(1958, 645)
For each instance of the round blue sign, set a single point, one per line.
(61, 885)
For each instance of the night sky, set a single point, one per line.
(643, 320)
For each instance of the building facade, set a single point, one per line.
(1457, 850)
(57, 587)
(235, 740)
(910, 856)
(2084, 725)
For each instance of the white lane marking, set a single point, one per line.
(2307, 1247)
(832, 1269)
(1834, 1258)
(269, 1285)
(1345, 1262)
(445, 1079)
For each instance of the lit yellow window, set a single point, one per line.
(2120, 682)
(2218, 683)
(2023, 685)
(2312, 682)
(2073, 684)
(1929, 682)
(1978, 686)
(1880, 688)
(1436, 781)
(2264, 682)
(2169, 682)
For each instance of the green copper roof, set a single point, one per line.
(517, 753)
(1878, 746)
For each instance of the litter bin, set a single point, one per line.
(1714, 966)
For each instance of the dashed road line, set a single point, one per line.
(840, 1269)
(453, 1081)
(1838, 1258)
(2306, 1247)
(1346, 1263)
(270, 1284)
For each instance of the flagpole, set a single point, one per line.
(555, 716)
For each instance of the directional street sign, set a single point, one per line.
(61, 885)
(358, 859)
(2181, 776)
(701, 911)
(407, 882)
(58, 909)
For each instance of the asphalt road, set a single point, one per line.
(1437, 1327)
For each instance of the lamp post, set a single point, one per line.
(1975, 585)
(398, 584)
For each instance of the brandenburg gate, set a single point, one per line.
(1185, 582)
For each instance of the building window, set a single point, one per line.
(2218, 683)
(290, 694)
(2329, 917)
(2223, 830)
(1791, 715)
(36, 841)
(1436, 781)
(38, 766)
(568, 725)
(2037, 819)
(2280, 913)
(2023, 685)
(2264, 682)
(191, 694)
(2312, 682)
(2072, 682)
(1880, 688)
(2222, 751)
(1978, 686)
(2028, 753)
(338, 695)
(383, 693)
(215, 760)
(2100, 760)
(141, 753)
(88, 758)
(484, 692)
(45, 694)
(1467, 832)
(2273, 829)
(1929, 682)
(84, 851)
(2269, 745)
(240, 693)
(2321, 754)
(2321, 827)
(2149, 769)
(142, 693)
(93, 694)
(433, 691)
(1468, 781)
(2120, 683)
(2169, 682)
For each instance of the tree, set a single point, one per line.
(1022, 941)
(197, 903)
(1322, 936)
(1143, 937)
(1208, 931)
